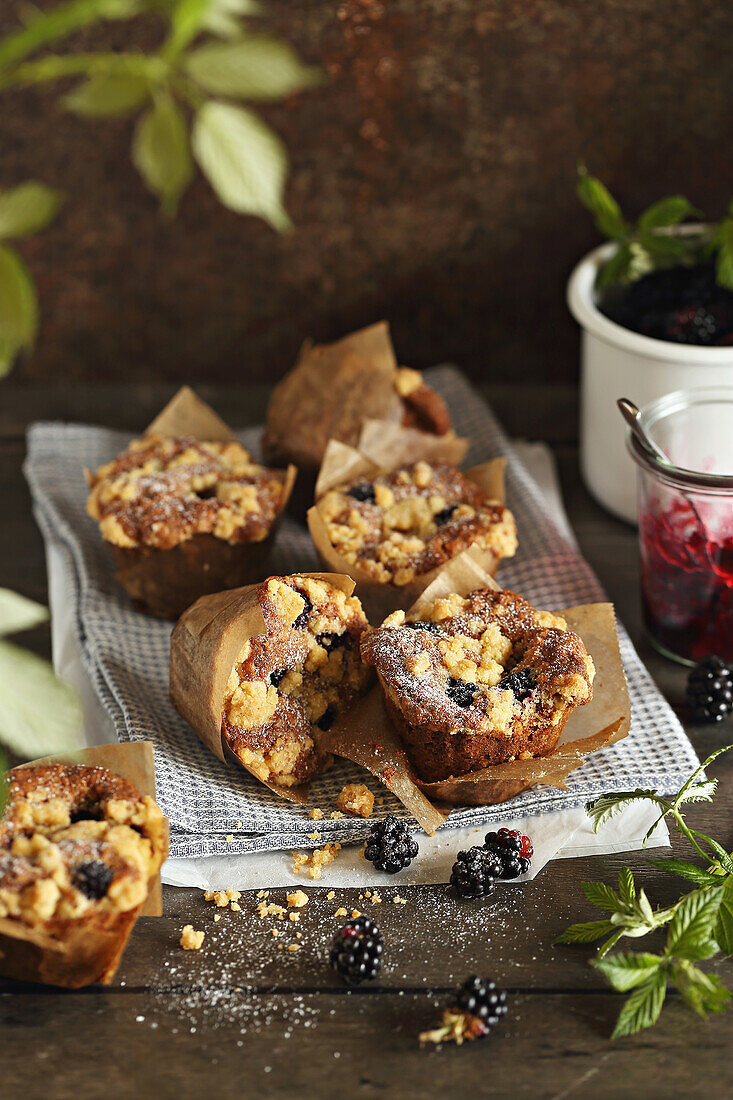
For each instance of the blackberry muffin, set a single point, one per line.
(411, 520)
(184, 518)
(478, 680)
(80, 848)
(289, 685)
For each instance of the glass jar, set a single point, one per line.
(686, 523)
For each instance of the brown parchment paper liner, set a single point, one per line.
(164, 583)
(368, 736)
(204, 646)
(342, 463)
(88, 953)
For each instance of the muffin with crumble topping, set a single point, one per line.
(80, 848)
(184, 517)
(404, 523)
(478, 680)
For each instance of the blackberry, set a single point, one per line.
(331, 641)
(710, 690)
(356, 951)
(92, 879)
(327, 719)
(302, 621)
(512, 851)
(475, 1008)
(429, 625)
(277, 676)
(521, 682)
(444, 515)
(473, 873)
(460, 692)
(692, 325)
(362, 492)
(389, 845)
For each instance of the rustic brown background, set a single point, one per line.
(432, 184)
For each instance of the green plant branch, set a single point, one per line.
(51, 26)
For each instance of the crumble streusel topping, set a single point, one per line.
(356, 799)
(289, 685)
(413, 519)
(162, 491)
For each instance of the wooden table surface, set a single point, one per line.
(243, 1018)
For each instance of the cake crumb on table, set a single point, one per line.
(356, 799)
(297, 899)
(294, 916)
(316, 861)
(315, 814)
(398, 900)
(341, 912)
(270, 909)
(293, 947)
(355, 913)
(331, 895)
(335, 815)
(191, 939)
(235, 907)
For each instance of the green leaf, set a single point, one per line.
(724, 924)
(689, 871)
(667, 246)
(602, 205)
(27, 208)
(703, 993)
(724, 259)
(187, 21)
(600, 895)
(19, 613)
(244, 161)
(691, 929)
(108, 95)
(698, 792)
(39, 714)
(626, 886)
(586, 933)
(255, 67)
(223, 16)
(18, 305)
(722, 855)
(54, 25)
(615, 269)
(607, 806)
(628, 969)
(643, 1005)
(667, 212)
(161, 151)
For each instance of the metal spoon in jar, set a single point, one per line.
(632, 416)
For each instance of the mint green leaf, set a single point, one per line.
(610, 943)
(626, 886)
(604, 208)
(585, 933)
(161, 151)
(600, 895)
(19, 613)
(255, 67)
(18, 305)
(724, 924)
(667, 212)
(721, 854)
(607, 806)
(667, 246)
(703, 993)
(643, 1005)
(223, 16)
(724, 259)
(699, 792)
(61, 20)
(108, 95)
(691, 929)
(187, 20)
(628, 969)
(39, 714)
(244, 161)
(689, 871)
(615, 269)
(26, 209)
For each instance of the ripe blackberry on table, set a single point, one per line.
(389, 845)
(710, 690)
(356, 951)
(512, 850)
(476, 1007)
(474, 873)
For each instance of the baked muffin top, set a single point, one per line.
(475, 663)
(410, 520)
(75, 839)
(288, 685)
(162, 491)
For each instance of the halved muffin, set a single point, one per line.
(478, 680)
(290, 684)
(411, 520)
(79, 850)
(185, 518)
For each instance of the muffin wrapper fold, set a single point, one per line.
(368, 737)
(164, 583)
(204, 646)
(343, 464)
(89, 952)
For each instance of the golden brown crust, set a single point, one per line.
(408, 521)
(487, 679)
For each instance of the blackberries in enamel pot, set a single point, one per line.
(356, 951)
(390, 846)
(473, 873)
(710, 690)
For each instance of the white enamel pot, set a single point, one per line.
(618, 363)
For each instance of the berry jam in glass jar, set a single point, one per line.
(686, 523)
